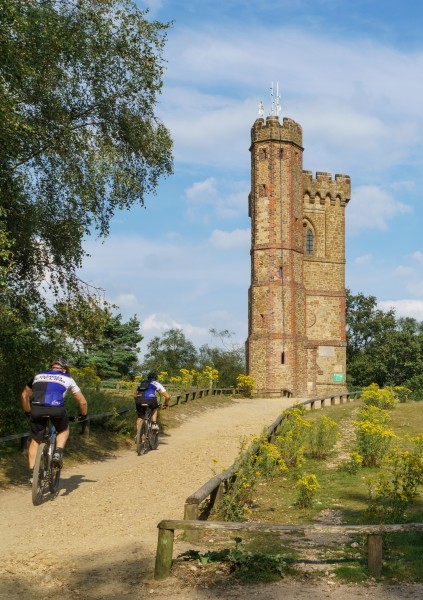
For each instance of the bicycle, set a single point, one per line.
(146, 436)
(46, 475)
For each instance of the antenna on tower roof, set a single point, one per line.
(275, 101)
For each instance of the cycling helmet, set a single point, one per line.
(62, 364)
(152, 376)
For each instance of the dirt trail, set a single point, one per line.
(97, 539)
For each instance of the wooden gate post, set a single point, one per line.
(164, 553)
(374, 554)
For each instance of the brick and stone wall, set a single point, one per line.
(296, 316)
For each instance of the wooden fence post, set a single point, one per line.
(191, 513)
(216, 495)
(374, 554)
(164, 553)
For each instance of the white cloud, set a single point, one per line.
(372, 207)
(365, 259)
(403, 271)
(415, 288)
(404, 308)
(230, 240)
(210, 198)
(202, 191)
(418, 256)
(157, 324)
(126, 300)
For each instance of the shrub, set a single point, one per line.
(373, 442)
(323, 435)
(291, 437)
(374, 415)
(389, 497)
(382, 398)
(268, 459)
(307, 487)
(354, 464)
(402, 393)
(245, 385)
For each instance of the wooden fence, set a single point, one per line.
(374, 537)
(187, 395)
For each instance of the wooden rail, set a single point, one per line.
(85, 427)
(374, 537)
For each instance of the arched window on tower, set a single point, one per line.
(309, 242)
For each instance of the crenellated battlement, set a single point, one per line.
(272, 130)
(323, 187)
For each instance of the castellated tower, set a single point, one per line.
(296, 306)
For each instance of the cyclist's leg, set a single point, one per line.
(37, 424)
(32, 453)
(153, 406)
(140, 412)
(59, 418)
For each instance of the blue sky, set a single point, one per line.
(351, 74)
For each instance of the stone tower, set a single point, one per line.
(296, 306)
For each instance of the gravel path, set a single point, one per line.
(97, 539)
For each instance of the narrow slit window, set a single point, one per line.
(282, 358)
(309, 242)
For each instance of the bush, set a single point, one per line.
(307, 487)
(381, 398)
(323, 435)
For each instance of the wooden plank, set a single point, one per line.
(266, 527)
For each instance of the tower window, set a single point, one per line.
(309, 242)
(282, 358)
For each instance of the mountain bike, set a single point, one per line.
(147, 438)
(46, 477)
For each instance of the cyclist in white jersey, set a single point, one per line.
(43, 397)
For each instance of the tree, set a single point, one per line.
(381, 348)
(229, 360)
(116, 355)
(170, 352)
(78, 134)
(79, 139)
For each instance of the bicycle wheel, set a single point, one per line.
(153, 439)
(142, 438)
(39, 482)
(54, 479)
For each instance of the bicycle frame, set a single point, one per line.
(146, 437)
(46, 477)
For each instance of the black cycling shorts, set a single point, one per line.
(58, 416)
(152, 403)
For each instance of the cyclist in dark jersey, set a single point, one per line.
(146, 393)
(43, 397)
